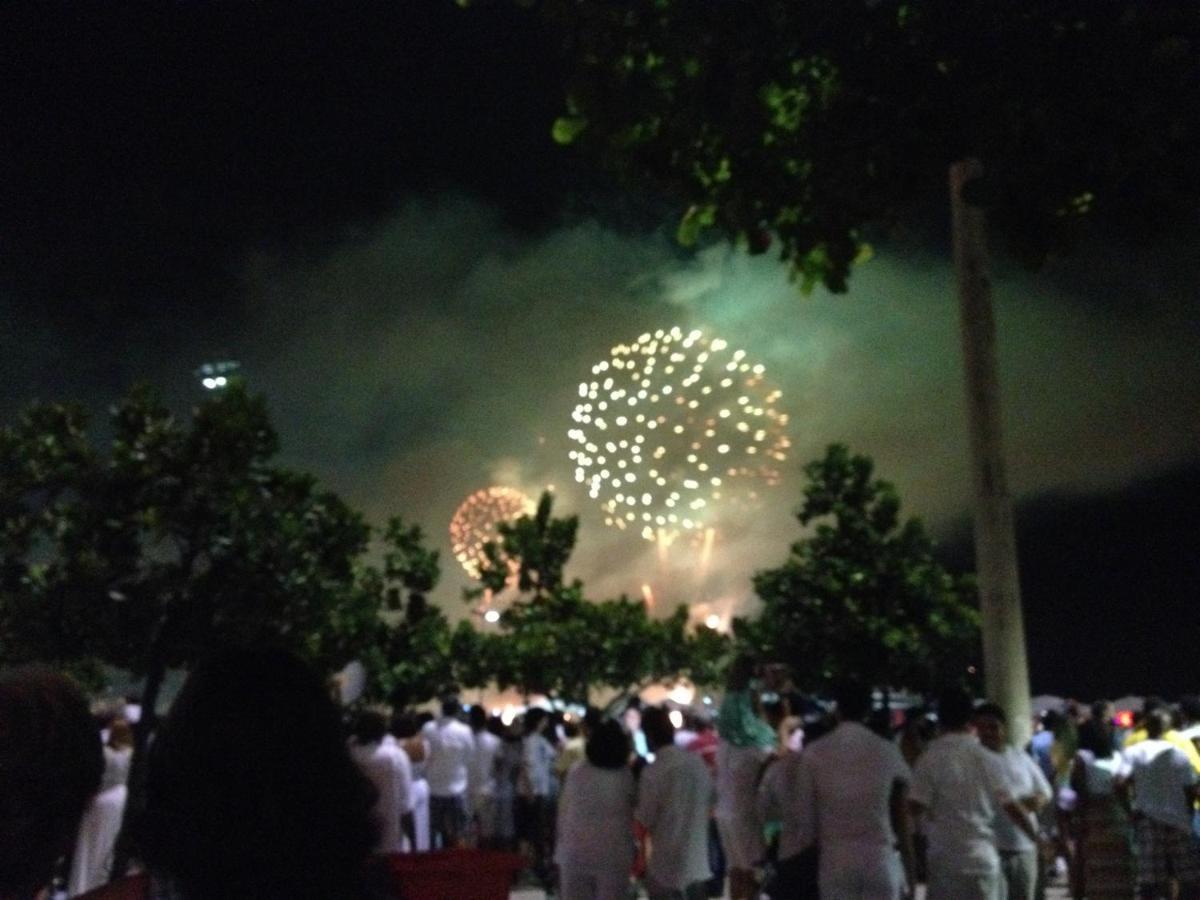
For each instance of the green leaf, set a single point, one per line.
(694, 221)
(567, 128)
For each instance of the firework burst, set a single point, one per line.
(476, 522)
(672, 426)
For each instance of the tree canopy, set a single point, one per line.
(176, 538)
(805, 123)
(551, 639)
(862, 595)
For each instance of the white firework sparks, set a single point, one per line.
(673, 425)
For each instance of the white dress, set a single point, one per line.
(737, 804)
(98, 830)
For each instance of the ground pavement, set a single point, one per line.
(1053, 893)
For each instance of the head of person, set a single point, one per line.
(535, 720)
(608, 746)
(632, 717)
(955, 709)
(1150, 705)
(1157, 723)
(853, 700)
(1103, 710)
(370, 727)
(742, 672)
(477, 718)
(571, 728)
(51, 762)
(1051, 720)
(251, 791)
(403, 725)
(1096, 736)
(450, 706)
(120, 735)
(658, 728)
(991, 725)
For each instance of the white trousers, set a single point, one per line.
(945, 883)
(577, 883)
(860, 872)
(1020, 874)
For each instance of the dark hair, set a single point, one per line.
(608, 746)
(51, 762)
(1158, 722)
(533, 719)
(1096, 736)
(656, 725)
(404, 725)
(477, 716)
(369, 727)
(853, 699)
(990, 710)
(251, 791)
(817, 728)
(954, 709)
(451, 706)
(571, 728)
(741, 671)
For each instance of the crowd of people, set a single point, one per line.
(257, 786)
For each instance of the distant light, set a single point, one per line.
(210, 383)
(492, 616)
(713, 621)
(683, 694)
(221, 381)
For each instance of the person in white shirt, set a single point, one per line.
(483, 776)
(1029, 787)
(794, 872)
(957, 786)
(536, 788)
(1164, 789)
(449, 748)
(850, 795)
(387, 765)
(595, 848)
(674, 799)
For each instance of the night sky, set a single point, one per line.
(361, 203)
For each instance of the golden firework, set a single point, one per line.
(475, 523)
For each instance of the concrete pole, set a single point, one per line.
(1005, 667)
